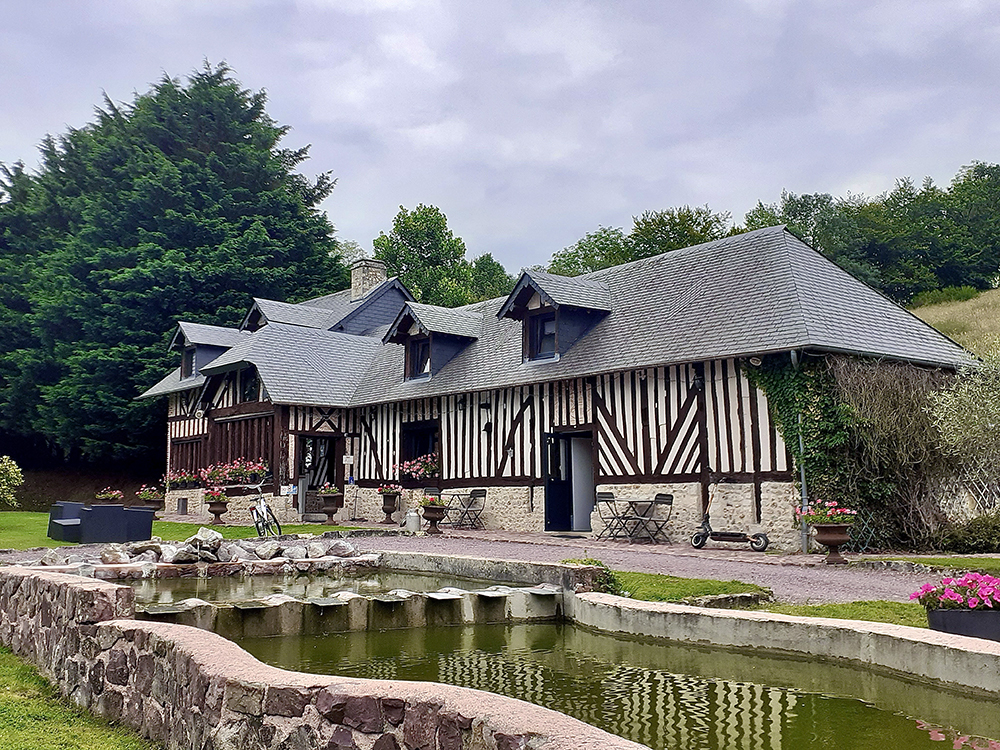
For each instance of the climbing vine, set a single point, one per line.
(868, 440)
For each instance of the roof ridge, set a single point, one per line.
(787, 237)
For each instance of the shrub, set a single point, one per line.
(947, 294)
(976, 536)
(10, 479)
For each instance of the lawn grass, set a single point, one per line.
(894, 613)
(32, 715)
(990, 565)
(25, 529)
(652, 587)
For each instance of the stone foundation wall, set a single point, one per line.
(732, 510)
(239, 507)
(188, 688)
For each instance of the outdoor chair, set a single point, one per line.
(64, 521)
(472, 509)
(139, 523)
(655, 525)
(103, 523)
(615, 523)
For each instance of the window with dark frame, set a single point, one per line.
(418, 439)
(419, 357)
(542, 336)
(249, 385)
(187, 363)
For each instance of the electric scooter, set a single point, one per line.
(758, 542)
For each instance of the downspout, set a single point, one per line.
(804, 527)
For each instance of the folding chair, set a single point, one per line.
(655, 526)
(472, 509)
(614, 522)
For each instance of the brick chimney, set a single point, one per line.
(366, 274)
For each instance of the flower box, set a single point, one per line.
(977, 623)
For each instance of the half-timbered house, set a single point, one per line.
(629, 379)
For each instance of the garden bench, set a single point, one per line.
(72, 522)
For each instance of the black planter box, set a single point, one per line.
(978, 623)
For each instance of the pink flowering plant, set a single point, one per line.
(214, 493)
(179, 478)
(971, 591)
(825, 512)
(328, 489)
(421, 467)
(110, 495)
(389, 489)
(147, 493)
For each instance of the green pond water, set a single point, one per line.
(660, 694)
(245, 588)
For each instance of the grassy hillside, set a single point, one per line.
(974, 323)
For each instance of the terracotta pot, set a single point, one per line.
(217, 508)
(434, 514)
(832, 536)
(332, 502)
(978, 623)
(390, 504)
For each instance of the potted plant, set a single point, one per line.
(390, 500)
(218, 503)
(151, 496)
(421, 467)
(832, 523)
(969, 605)
(108, 495)
(434, 511)
(333, 500)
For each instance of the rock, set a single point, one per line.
(228, 552)
(52, 558)
(186, 554)
(267, 550)
(295, 552)
(342, 548)
(86, 570)
(316, 549)
(167, 552)
(149, 556)
(114, 554)
(137, 548)
(75, 559)
(206, 539)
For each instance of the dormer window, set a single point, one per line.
(556, 311)
(187, 362)
(418, 355)
(541, 329)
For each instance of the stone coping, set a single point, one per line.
(954, 661)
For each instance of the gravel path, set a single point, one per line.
(793, 578)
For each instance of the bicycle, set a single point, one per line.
(263, 517)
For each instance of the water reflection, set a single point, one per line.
(664, 696)
(246, 588)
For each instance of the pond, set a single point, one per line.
(221, 589)
(660, 694)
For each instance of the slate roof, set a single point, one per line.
(301, 365)
(199, 333)
(454, 322)
(755, 293)
(295, 315)
(558, 291)
(172, 383)
(322, 312)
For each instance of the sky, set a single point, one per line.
(531, 123)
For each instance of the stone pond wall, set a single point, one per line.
(188, 688)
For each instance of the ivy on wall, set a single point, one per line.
(868, 441)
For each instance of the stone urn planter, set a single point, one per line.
(390, 504)
(434, 515)
(218, 506)
(832, 536)
(332, 502)
(978, 623)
